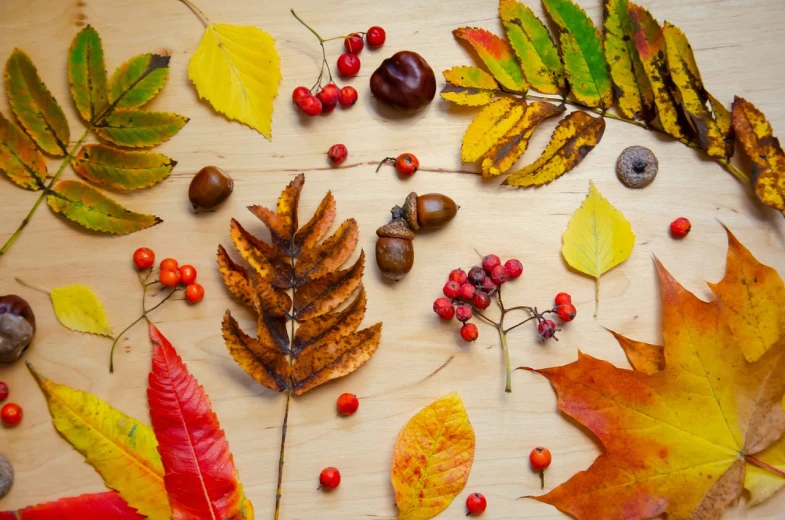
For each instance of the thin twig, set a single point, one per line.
(279, 491)
(527, 320)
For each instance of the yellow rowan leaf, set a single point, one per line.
(236, 69)
(432, 459)
(597, 239)
(489, 126)
(123, 450)
(78, 308)
(469, 86)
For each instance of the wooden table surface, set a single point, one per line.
(738, 45)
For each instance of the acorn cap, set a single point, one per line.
(636, 167)
(410, 211)
(396, 229)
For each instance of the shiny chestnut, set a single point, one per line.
(210, 187)
(17, 327)
(404, 81)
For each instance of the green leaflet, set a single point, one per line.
(497, 56)
(581, 49)
(634, 96)
(138, 80)
(470, 86)
(534, 48)
(87, 74)
(34, 106)
(121, 169)
(90, 208)
(139, 128)
(20, 160)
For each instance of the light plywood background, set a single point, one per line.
(739, 47)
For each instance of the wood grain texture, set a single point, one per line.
(739, 48)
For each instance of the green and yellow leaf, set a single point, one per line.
(139, 128)
(581, 50)
(536, 52)
(34, 106)
(78, 308)
(87, 74)
(597, 239)
(497, 55)
(724, 124)
(576, 136)
(20, 160)
(512, 146)
(490, 125)
(122, 449)
(121, 169)
(88, 207)
(634, 95)
(469, 86)
(764, 150)
(138, 81)
(236, 69)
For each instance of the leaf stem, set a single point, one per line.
(506, 351)
(757, 462)
(321, 40)
(31, 286)
(198, 12)
(325, 65)
(279, 490)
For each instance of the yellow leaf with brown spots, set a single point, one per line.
(432, 459)
(234, 276)
(327, 293)
(490, 125)
(311, 233)
(329, 327)
(324, 258)
(282, 222)
(263, 360)
(469, 86)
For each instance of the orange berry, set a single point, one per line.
(540, 458)
(347, 403)
(144, 258)
(330, 478)
(169, 277)
(187, 274)
(168, 263)
(194, 293)
(11, 414)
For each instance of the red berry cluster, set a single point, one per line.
(171, 273)
(11, 413)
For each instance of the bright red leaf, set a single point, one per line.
(98, 506)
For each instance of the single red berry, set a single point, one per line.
(469, 332)
(562, 298)
(310, 105)
(187, 274)
(546, 329)
(168, 263)
(348, 64)
(443, 307)
(194, 293)
(330, 478)
(11, 414)
(481, 300)
(169, 277)
(463, 313)
(680, 227)
(337, 154)
(476, 504)
(489, 262)
(476, 275)
(347, 403)
(354, 43)
(467, 292)
(499, 275)
(326, 109)
(299, 93)
(375, 36)
(452, 289)
(459, 275)
(328, 95)
(566, 312)
(3, 392)
(488, 285)
(540, 458)
(347, 96)
(514, 267)
(406, 164)
(144, 258)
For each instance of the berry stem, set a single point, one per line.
(325, 65)
(279, 491)
(321, 40)
(386, 159)
(506, 351)
(542, 479)
(764, 465)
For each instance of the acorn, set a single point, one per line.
(17, 327)
(209, 188)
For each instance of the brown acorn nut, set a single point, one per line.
(17, 327)
(209, 188)
(404, 81)
(435, 210)
(6, 476)
(394, 256)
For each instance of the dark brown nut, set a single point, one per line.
(404, 81)
(435, 209)
(409, 211)
(396, 229)
(6, 476)
(394, 256)
(209, 188)
(17, 327)
(636, 167)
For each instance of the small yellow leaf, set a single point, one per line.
(432, 459)
(236, 69)
(489, 126)
(469, 86)
(78, 308)
(597, 239)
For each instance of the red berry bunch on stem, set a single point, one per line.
(322, 99)
(468, 295)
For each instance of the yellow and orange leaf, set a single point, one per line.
(644, 357)
(469, 86)
(497, 55)
(490, 125)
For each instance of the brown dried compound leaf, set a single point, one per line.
(325, 294)
(328, 256)
(283, 222)
(331, 360)
(267, 299)
(281, 266)
(235, 277)
(316, 228)
(330, 327)
(265, 362)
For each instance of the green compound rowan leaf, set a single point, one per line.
(87, 74)
(90, 208)
(20, 160)
(497, 55)
(121, 169)
(140, 128)
(34, 106)
(138, 80)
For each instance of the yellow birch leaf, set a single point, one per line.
(236, 69)
(489, 126)
(597, 239)
(122, 450)
(78, 308)
(432, 459)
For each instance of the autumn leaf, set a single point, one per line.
(576, 135)
(490, 125)
(119, 447)
(497, 56)
(201, 478)
(139, 128)
(469, 86)
(764, 151)
(644, 357)
(121, 169)
(432, 458)
(597, 239)
(78, 308)
(137, 81)
(87, 75)
(98, 506)
(20, 160)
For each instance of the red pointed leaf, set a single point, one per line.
(98, 506)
